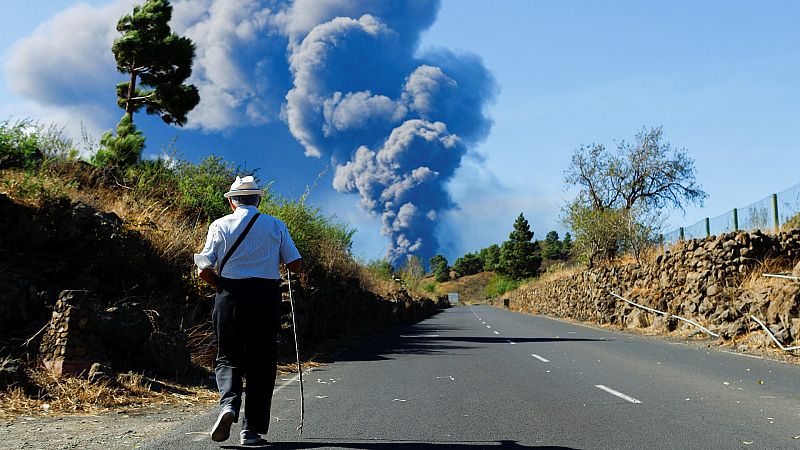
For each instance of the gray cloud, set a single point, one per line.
(395, 125)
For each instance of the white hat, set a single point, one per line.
(244, 186)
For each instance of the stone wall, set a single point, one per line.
(69, 344)
(81, 333)
(703, 280)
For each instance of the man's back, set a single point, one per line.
(266, 245)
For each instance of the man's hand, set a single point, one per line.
(209, 276)
(296, 266)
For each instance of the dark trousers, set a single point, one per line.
(246, 322)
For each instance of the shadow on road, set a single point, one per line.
(519, 340)
(320, 443)
(432, 340)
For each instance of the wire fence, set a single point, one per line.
(771, 214)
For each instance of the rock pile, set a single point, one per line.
(703, 280)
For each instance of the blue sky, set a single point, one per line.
(720, 77)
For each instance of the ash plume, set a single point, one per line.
(395, 124)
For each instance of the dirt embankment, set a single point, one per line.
(99, 295)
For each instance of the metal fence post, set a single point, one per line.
(681, 234)
(775, 217)
(708, 227)
(735, 220)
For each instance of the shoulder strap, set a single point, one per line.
(236, 244)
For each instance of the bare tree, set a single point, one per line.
(623, 192)
(647, 172)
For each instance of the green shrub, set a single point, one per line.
(19, 145)
(38, 190)
(429, 287)
(202, 186)
(499, 285)
(381, 267)
(320, 240)
(153, 179)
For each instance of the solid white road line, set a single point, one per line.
(617, 394)
(742, 354)
(539, 358)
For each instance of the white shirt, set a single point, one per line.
(266, 245)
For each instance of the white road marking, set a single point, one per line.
(419, 335)
(539, 358)
(488, 326)
(742, 354)
(617, 394)
(512, 342)
(495, 332)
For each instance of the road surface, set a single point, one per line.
(481, 377)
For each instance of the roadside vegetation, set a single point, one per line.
(616, 217)
(164, 206)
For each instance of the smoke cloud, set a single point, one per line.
(347, 77)
(395, 124)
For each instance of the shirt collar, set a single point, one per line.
(246, 209)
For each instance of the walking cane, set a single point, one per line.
(297, 352)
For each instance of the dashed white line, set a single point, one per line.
(539, 358)
(488, 326)
(511, 342)
(495, 332)
(617, 394)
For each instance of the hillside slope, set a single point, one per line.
(470, 288)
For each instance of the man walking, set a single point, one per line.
(241, 260)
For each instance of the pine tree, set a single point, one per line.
(468, 264)
(491, 257)
(124, 150)
(160, 61)
(552, 246)
(440, 268)
(566, 245)
(148, 51)
(519, 256)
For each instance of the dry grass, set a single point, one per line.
(755, 276)
(374, 282)
(558, 272)
(470, 288)
(647, 256)
(77, 395)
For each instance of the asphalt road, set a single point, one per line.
(482, 377)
